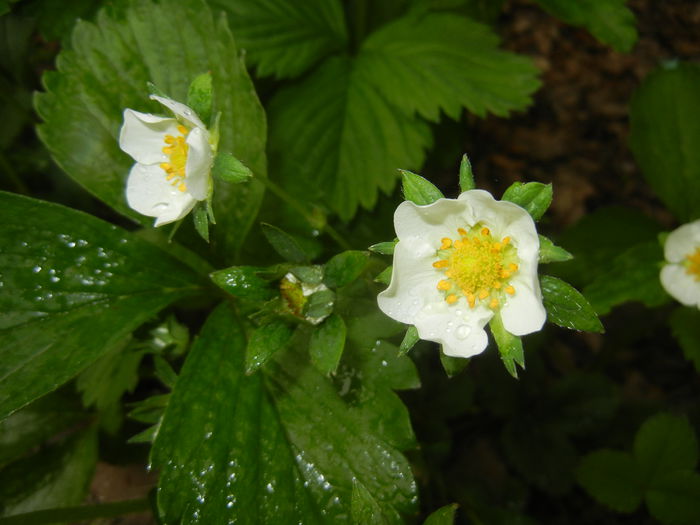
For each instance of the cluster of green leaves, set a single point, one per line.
(565, 306)
(660, 470)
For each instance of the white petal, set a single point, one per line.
(142, 136)
(181, 110)
(199, 159)
(424, 226)
(459, 329)
(680, 285)
(413, 285)
(524, 313)
(682, 241)
(149, 193)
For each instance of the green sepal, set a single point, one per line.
(452, 365)
(466, 176)
(265, 341)
(550, 252)
(385, 276)
(567, 307)
(419, 190)
(344, 268)
(327, 343)
(443, 516)
(308, 274)
(155, 90)
(509, 346)
(201, 220)
(284, 244)
(319, 305)
(384, 248)
(199, 96)
(229, 169)
(244, 282)
(409, 340)
(534, 197)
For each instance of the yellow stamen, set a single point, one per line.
(471, 300)
(462, 232)
(441, 264)
(451, 299)
(444, 285)
(483, 294)
(505, 240)
(182, 129)
(169, 139)
(494, 303)
(182, 187)
(485, 232)
(513, 267)
(497, 285)
(505, 274)
(165, 166)
(167, 150)
(509, 290)
(446, 243)
(497, 246)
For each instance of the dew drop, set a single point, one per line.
(463, 331)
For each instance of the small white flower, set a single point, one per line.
(680, 277)
(457, 262)
(173, 160)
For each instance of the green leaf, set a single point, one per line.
(319, 304)
(271, 449)
(264, 342)
(631, 276)
(673, 499)
(384, 248)
(409, 340)
(452, 365)
(466, 183)
(510, 347)
(665, 443)
(566, 306)
(444, 515)
(610, 21)
(229, 169)
(56, 476)
(613, 478)
(428, 62)
(665, 131)
(419, 190)
(104, 382)
(309, 274)
(285, 38)
(201, 221)
(31, 426)
(327, 343)
(105, 70)
(335, 138)
(364, 508)
(550, 252)
(344, 268)
(200, 96)
(684, 325)
(534, 197)
(73, 288)
(244, 282)
(284, 244)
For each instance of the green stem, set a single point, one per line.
(296, 205)
(76, 514)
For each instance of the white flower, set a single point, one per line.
(681, 275)
(457, 262)
(173, 160)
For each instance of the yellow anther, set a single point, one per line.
(167, 150)
(182, 129)
(505, 240)
(462, 232)
(494, 303)
(497, 285)
(505, 274)
(510, 290)
(483, 294)
(471, 300)
(446, 243)
(497, 246)
(451, 299)
(182, 187)
(441, 264)
(170, 176)
(165, 166)
(485, 231)
(169, 139)
(513, 267)
(444, 285)
(458, 244)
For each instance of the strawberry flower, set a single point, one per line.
(680, 276)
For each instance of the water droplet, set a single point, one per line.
(208, 435)
(463, 331)
(36, 269)
(229, 504)
(269, 488)
(160, 206)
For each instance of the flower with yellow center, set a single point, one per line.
(173, 161)
(457, 263)
(680, 276)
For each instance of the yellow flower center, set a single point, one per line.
(477, 266)
(692, 264)
(176, 150)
